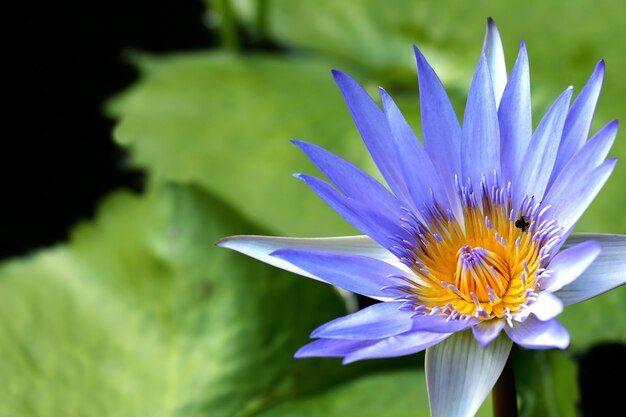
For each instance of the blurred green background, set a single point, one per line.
(139, 314)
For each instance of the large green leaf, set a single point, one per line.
(140, 314)
(224, 123)
(389, 394)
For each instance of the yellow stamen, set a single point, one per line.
(485, 269)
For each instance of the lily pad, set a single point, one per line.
(223, 123)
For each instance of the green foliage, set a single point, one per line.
(139, 314)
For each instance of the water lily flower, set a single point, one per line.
(471, 250)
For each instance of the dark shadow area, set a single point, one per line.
(58, 155)
(601, 380)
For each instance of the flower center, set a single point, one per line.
(481, 273)
(485, 267)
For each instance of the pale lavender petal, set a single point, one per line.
(532, 178)
(480, 147)
(606, 272)
(440, 126)
(421, 177)
(400, 345)
(377, 321)
(545, 307)
(372, 125)
(579, 119)
(536, 334)
(260, 247)
(460, 373)
(569, 264)
(514, 116)
(588, 157)
(333, 348)
(354, 273)
(569, 200)
(486, 331)
(352, 181)
(492, 48)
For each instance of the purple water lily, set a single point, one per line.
(471, 250)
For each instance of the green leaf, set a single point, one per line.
(140, 314)
(224, 123)
(388, 394)
(546, 383)
(600, 319)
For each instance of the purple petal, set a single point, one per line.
(440, 324)
(460, 373)
(358, 274)
(400, 345)
(333, 348)
(588, 157)
(492, 48)
(360, 215)
(545, 307)
(533, 176)
(480, 147)
(487, 331)
(260, 247)
(418, 170)
(569, 200)
(372, 125)
(514, 116)
(570, 263)
(374, 322)
(606, 272)
(579, 119)
(440, 126)
(536, 334)
(352, 181)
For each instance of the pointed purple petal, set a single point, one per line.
(352, 181)
(372, 223)
(333, 348)
(570, 263)
(579, 119)
(514, 116)
(418, 170)
(570, 199)
(440, 126)
(354, 273)
(536, 334)
(487, 331)
(480, 148)
(260, 247)
(400, 345)
(532, 178)
(374, 322)
(372, 125)
(606, 272)
(492, 48)
(460, 373)
(588, 157)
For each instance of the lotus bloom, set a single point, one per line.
(471, 250)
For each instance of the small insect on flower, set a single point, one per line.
(472, 248)
(522, 223)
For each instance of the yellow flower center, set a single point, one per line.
(487, 268)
